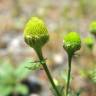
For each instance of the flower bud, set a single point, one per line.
(71, 42)
(93, 27)
(89, 41)
(35, 33)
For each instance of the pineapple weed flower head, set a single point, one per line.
(35, 33)
(89, 41)
(92, 28)
(71, 42)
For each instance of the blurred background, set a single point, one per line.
(60, 17)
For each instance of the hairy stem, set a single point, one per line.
(69, 74)
(39, 53)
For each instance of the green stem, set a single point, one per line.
(39, 53)
(69, 74)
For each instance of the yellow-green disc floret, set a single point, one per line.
(35, 33)
(89, 41)
(93, 27)
(71, 42)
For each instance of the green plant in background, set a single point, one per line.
(10, 77)
(36, 35)
(92, 75)
(89, 42)
(92, 28)
(71, 44)
(89, 74)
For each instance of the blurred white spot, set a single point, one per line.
(34, 95)
(14, 46)
(58, 58)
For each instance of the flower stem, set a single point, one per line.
(69, 74)
(39, 53)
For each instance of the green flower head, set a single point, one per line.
(89, 41)
(35, 33)
(71, 42)
(93, 27)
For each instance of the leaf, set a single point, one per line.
(5, 90)
(5, 68)
(22, 89)
(6, 72)
(34, 66)
(26, 68)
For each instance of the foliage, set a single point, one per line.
(89, 74)
(10, 78)
(92, 75)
